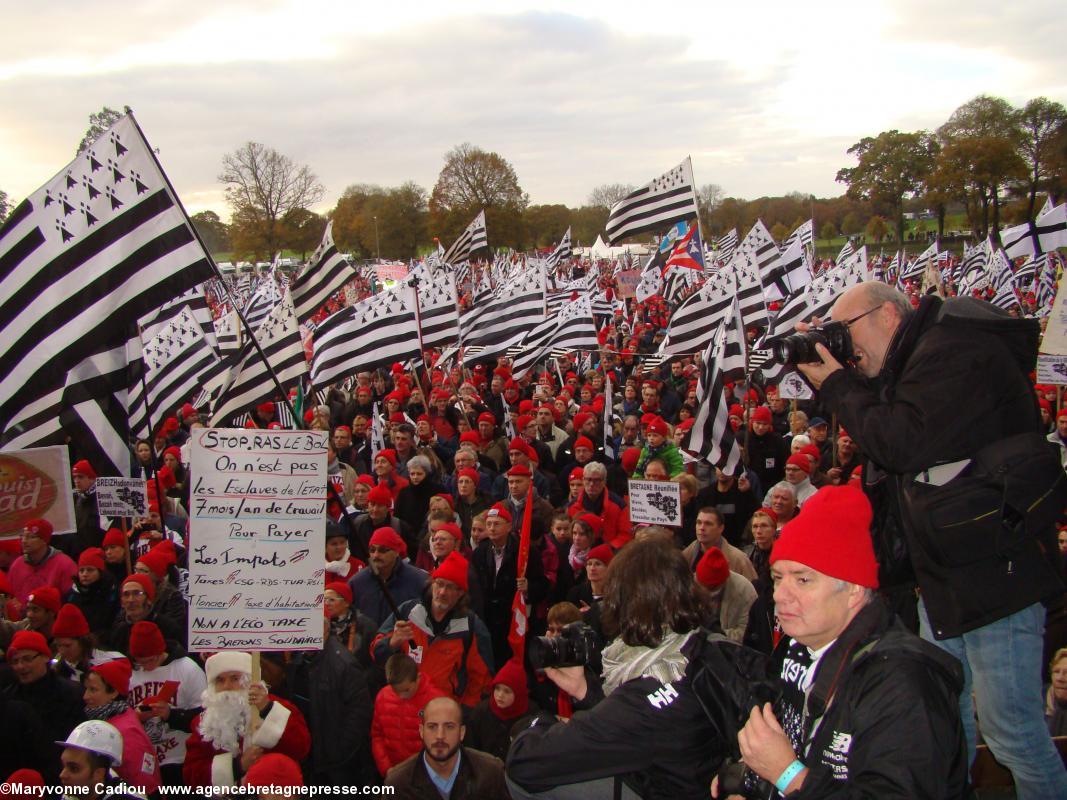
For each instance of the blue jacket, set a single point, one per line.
(406, 583)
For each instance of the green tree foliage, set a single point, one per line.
(302, 231)
(891, 168)
(876, 229)
(546, 224)
(262, 187)
(828, 231)
(779, 232)
(98, 123)
(473, 179)
(370, 219)
(587, 223)
(214, 232)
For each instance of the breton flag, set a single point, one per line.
(470, 241)
(762, 254)
(973, 268)
(789, 272)
(692, 326)
(248, 380)
(101, 245)
(438, 313)
(195, 302)
(711, 435)
(373, 333)
(262, 302)
(228, 332)
(1049, 232)
(327, 274)
(515, 309)
(917, 268)
(1028, 270)
(669, 198)
(726, 246)
(178, 361)
(846, 252)
(805, 234)
(570, 329)
(1003, 282)
(562, 251)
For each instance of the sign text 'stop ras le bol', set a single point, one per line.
(258, 533)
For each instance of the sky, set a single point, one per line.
(766, 97)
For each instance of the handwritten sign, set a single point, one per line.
(35, 484)
(258, 533)
(627, 282)
(121, 497)
(655, 502)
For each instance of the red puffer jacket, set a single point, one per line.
(394, 733)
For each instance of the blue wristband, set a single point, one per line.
(787, 776)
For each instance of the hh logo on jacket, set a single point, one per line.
(663, 697)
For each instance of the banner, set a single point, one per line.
(627, 281)
(121, 497)
(35, 484)
(258, 534)
(1052, 369)
(655, 502)
(391, 272)
(1054, 342)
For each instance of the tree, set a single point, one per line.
(587, 223)
(347, 216)
(779, 232)
(5, 206)
(827, 231)
(546, 224)
(876, 228)
(302, 231)
(708, 198)
(98, 123)
(891, 167)
(214, 232)
(851, 224)
(608, 194)
(1042, 124)
(262, 186)
(472, 180)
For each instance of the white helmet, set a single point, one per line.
(98, 737)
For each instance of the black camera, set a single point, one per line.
(800, 347)
(577, 645)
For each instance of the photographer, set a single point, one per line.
(938, 398)
(641, 732)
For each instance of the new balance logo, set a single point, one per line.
(841, 742)
(664, 697)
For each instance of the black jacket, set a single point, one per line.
(767, 455)
(892, 727)
(656, 737)
(948, 388)
(498, 589)
(57, 702)
(98, 601)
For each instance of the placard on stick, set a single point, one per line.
(35, 483)
(121, 497)
(655, 502)
(258, 533)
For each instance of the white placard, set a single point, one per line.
(121, 497)
(655, 502)
(258, 534)
(794, 387)
(1054, 340)
(1052, 369)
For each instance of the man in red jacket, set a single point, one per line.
(217, 751)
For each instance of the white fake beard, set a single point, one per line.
(225, 719)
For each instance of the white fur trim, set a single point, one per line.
(229, 661)
(272, 727)
(222, 770)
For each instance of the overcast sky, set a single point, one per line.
(766, 97)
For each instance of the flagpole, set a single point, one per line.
(263, 356)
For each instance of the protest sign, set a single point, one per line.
(655, 502)
(258, 536)
(794, 387)
(1052, 369)
(121, 497)
(35, 484)
(626, 282)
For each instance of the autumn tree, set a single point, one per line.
(828, 231)
(779, 232)
(546, 224)
(587, 223)
(98, 123)
(372, 220)
(1042, 126)
(213, 231)
(262, 187)
(302, 231)
(471, 180)
(876, 229)
(891, 168)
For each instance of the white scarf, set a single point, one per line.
(665, 663)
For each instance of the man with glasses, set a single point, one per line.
(442, 635)
(927, 389)
(57, 701)
(595, 498)
(40, 564)
(388, 554)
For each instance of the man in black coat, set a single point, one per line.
(495, 563)
(56, 701)
(929, 389)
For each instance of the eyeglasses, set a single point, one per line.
(850, 322)
(133, 593)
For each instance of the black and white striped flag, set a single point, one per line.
(973, 269)
(438, 313)
(789, 272)
(195, 302)
(262, 302)
(1002, 280)
(1049, 232)
(472, 240)
(248, 380)
(609, 430)
(669, 198)
(228, 332)
(377, 433)
(570, 329)
(98, 247)
(562, 251)
(373, 333)
(692, 326)
(846, 252)
(178, 361)
(326, 274)
(805, 234)
(726, 246)
(514, 310)
(711, 435)
(761, 254)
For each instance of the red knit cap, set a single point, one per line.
(83, 467)
(380, 495)
(146, 640)
(176, 452)
(46, 597)
(470, 437)
(24, 777)
(265, 408)
(29, 640)
(762, 414)
(447, 498)
(342, 588)
(155, 561)
(601, 553)
(713, 569)
(70, 623)
(657, 425)
(273, 769)
(583, 441)
(144, 582)
(366, 480)
(116, 674)
(576, 474)
(520, 471)
(513, 676)
(452, 528)
(594, 522)
(397, 417)
(389, 454)
(580, 419)
(499, 510)
(387, 537)
(468, 472)
(92, 557)
(767, 512)
(810, 450)
(114, 537)
(453, 568)
(486, 416)
(799, 461)
(42, 528)
(832, 536)
(630, 457)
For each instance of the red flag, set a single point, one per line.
(519, 612)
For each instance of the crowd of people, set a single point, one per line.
(804, 558)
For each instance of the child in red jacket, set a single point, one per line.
(394, 733)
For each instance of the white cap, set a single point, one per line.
(228, 661)
(98, 737)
